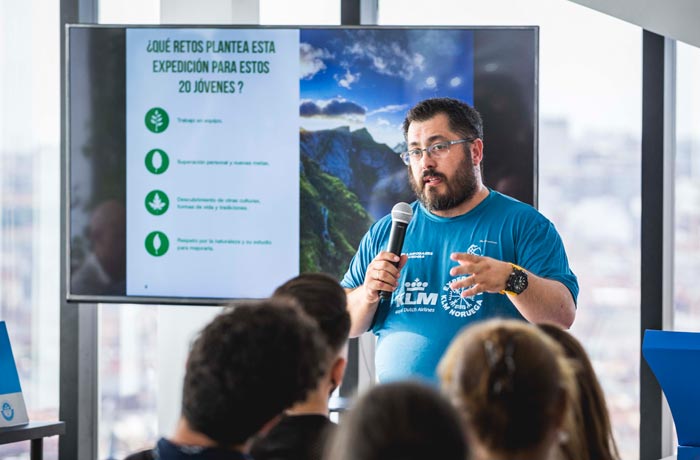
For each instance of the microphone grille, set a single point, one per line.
(402, 212)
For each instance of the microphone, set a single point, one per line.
(401, 215)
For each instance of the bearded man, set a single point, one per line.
(470, 253)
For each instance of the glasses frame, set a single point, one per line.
(409, 155)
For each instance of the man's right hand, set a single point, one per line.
(382, 274)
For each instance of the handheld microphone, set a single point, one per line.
(401, 215)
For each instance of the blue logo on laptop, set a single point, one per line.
(8, 413)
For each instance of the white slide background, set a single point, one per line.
(232, 177)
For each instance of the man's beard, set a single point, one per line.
(460, 188)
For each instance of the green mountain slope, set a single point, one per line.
(332, 221)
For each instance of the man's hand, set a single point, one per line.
(544, 300)
(485, 274)
(383, 274)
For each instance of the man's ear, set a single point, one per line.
(337, 371)
(476, 149)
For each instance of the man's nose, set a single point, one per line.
(426, 160)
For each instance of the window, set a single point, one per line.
(300, 12)
(29, 185)
(687, 212)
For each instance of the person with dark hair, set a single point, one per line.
(590, 421)
(513, 385)
(470, 253)
(302, 432)
(247, 366)
(400, 420)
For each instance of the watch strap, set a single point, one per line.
(516, 268)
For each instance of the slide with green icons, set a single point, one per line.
(212, 160)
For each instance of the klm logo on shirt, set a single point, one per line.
(412, 298)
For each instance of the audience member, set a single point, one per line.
(301, 433)
(402, 420)
(590, 421)
(247, 366)
(513, 386)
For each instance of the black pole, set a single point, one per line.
(651, 236)
(75, 368)
(350, 12)
(350, 16)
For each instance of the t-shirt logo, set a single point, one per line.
(413, 293)
(452, 301)
(456, 305)
(474, 249)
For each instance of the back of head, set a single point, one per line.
(248, 365)
(511, 383)
(406, 421)
(591, 420)
(323, 299)
(464, 119)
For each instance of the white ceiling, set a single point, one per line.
(677, 19)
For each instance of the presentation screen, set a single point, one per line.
(207, 164)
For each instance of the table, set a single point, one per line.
(35, 432)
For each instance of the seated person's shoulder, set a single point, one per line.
(143, 455)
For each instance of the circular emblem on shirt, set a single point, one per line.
(474, 249)
(456, 305)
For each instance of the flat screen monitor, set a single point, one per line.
(208, 164)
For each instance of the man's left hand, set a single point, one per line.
(484, 274)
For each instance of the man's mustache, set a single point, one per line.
(433, 173)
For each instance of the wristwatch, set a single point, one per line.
(516, 282)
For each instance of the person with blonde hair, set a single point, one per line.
(513, 387)
(590, 420)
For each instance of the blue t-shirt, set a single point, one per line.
(424, 314)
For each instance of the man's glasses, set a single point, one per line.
(435, 151)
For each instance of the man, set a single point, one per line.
(302, 432)
(103, 270)
(246, 367)
(470, 253)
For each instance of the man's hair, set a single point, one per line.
(323, 299)
(400, 420)
(464, 119)
(248, 365)
(511, 382)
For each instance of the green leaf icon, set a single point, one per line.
(157, 120)
(157, 161)
(157, 202)
(157, 243)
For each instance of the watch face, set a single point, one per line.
(517, 282)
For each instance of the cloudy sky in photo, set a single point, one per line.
(369, 78)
